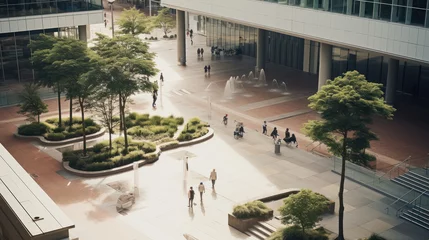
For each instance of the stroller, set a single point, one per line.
(239, 130)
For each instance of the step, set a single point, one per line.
(416, 219)
(262, 230)
(419, 173)
(407, 184)
(255, 233)
(417, 177)
(267, 227)
(424, 210)
(414, 181)
(423, 214)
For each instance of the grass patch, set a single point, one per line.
(152, 128)
(296, 233)
(100, 158)
(52, 132)
(255, 209)
(195, 128)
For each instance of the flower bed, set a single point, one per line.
(193, 129)
(52, 132)
(155, 128)
(245, 216)
(100, 158)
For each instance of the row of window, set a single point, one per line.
(48, 7)
(415, 12)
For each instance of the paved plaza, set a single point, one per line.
(247, 168)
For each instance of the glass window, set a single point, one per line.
(309, 3)
(369, 8)
(419, 3)
(362, 63)
(3, 12)
(399, 14)
(410, 85)
(8, 48)
(339, 6)
(374, 67)
(424, 84)
(418, 17)
(24, 54)
(401, 2)
(356, 7)
(385, 12)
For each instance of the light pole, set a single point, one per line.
(111, 13)
(150, 8)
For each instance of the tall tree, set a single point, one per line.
(165, 21)
(129, 64)
(347, 106)
(134, 22)
(45, 72)
(31, 104)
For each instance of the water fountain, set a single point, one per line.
(251, 76)
(283, 86)
(229, 88)
(262, 80)
(275, 83)
(243, 77)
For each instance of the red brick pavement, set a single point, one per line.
(9, 113)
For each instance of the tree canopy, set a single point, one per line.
(165, 21)
(31, 104)
(134, 22)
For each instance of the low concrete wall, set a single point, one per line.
(244, 224)
(63, 142)
(159, 149)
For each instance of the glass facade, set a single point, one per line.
(413, 78)
(19, 8)
(411, 12)
(15, 64)
(285, 50)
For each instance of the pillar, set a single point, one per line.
(349, 7)
(325, 5)
(83, 36)
(181, 37)
(260, 54)
(392, 77)
(375, 10)
(325, 63)
(362, 9)
(306, 58)
(409, 12)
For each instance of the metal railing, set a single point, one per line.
(412, 203)
(396, 167)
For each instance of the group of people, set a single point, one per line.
(207, 69)
(190, 33)
(200, 52)
(201, 189)
(275, 135)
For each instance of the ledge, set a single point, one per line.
(63, 142)
(160, 148)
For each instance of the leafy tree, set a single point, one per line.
(303, 209)
(165, 21)
(31, 103)
(134, 22)
(129, 64)
(347, 106)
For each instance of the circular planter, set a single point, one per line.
(63, 142)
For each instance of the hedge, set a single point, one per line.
(33, 129)
(255, 209)
(152, 127)
(193, 129)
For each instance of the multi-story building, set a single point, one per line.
(386, 40)
(23, 20)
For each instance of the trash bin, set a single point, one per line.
(276, 148)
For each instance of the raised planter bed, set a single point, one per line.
(45, 142)
(244, 224)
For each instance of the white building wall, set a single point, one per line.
(28, 23)
(398, 40)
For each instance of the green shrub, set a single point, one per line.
(132, 157)
(140, 132)
(169, 145)
(33, 129)
(148, 147)
(100, 146)
(296, 233)
(190, 129)
(120, 141)
(92, 129)
(89, 122)
(131, 149)
(58, 129)
(142, 117)
(129, 123)
(55, 136)
(75, 120)
(376, 237)
(52, 121)
(70, 157)
(158, 129)
(156, 120)
(132, 116)
(171, 132)
(179, 121)
(98, 166)
(151, 157)
(255, 209)
(184, 137)
(194, 121)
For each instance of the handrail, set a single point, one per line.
(315, 147)
(410, 202)
(395, 167)
(400, 198)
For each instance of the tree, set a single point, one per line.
(303, 209)
(31, 103)
(129, 64)
(165, 21)
(134, 22)
(347, 106)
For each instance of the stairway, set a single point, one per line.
(418, 216)
(414, 180)
(260, 230)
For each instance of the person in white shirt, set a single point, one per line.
(202, 190)
(213, 177)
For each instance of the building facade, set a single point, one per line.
(23, 20)
(386, 40)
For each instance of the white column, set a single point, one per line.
(260, 55)
(83, 36)
(181, 37)
(325, 63)
(392, 77)
(306, 58)
(375, 9)
(409, 12)
(349, 7)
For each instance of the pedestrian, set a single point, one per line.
(155, 97)
(161, 78)
(202, 190)
(205, 70)
(191, 33)
(192, 42)
(191, 195)
(213, 177)
(287, 133)
(187, 32)
(208, 69)
(202, 52)
(198, 52)
(264, 128)
(274, 133)
(105, 23)
(186, 164)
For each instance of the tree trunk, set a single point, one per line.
(341, 192)
(38, 118)
(122, 105)
(71, 112)
(110, 124)
(59, 105)
(110, 141)
(83, 125)
(120, 116)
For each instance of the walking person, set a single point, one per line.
(198, 52)
(186, 164)
(208, 69)
(202, 190)
(155, 97)
(161, 78)
(202, 52)
(274, 134)
(191, 33)
(213, 177)
(287, 133)
(191, 195)
(264, 128)
(205, 70)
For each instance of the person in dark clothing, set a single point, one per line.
(213, 50)
(205, 70)
(264, 128)
(161, 78)
(191, 33)
(191, 195)
(291, 140)
(208, 69)
(198, 52)
(155, 97)
(274, 134)
(287, 133)
(202, 52)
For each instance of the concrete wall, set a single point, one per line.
(28, 23)
(398, 40)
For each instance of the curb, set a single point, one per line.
(63, 142)
(159, 149)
